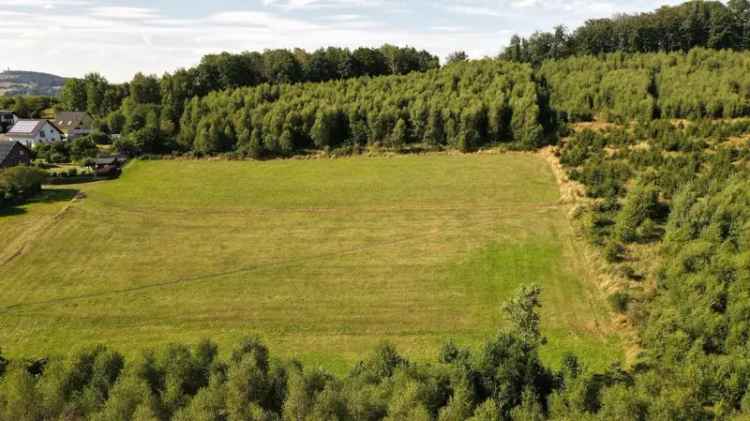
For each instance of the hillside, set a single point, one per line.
(321, 258)
(16, 82)
(562, 232)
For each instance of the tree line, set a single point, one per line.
(464, 105)
(216, 72)
(504, 379)
(698, 23)
(25, 106)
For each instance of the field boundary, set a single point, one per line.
(588, 258)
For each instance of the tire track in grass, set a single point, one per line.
(17, 246)
(210, 276)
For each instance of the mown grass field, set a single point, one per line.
(321, 258)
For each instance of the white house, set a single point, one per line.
(34, 132)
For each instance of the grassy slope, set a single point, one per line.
(322, 258)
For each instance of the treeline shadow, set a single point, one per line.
(48, 196)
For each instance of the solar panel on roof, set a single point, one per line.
(24, 127)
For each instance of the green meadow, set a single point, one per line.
(322, 259)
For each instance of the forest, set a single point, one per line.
(668, 210)
(464, 106)
(708, 24)
(643, 77)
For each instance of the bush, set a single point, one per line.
(641, 205)
(620, 301)
(627, 271)
(82, 148)
(614, 252)
(20, 183)
(55, 153)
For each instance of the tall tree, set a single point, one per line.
(74, 95)
(145, 89)
(96, 91)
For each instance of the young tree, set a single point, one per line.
(400, 135)
(521, 312)
(641, 204)
(435, 131)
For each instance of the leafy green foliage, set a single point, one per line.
(25, 106)
(504, 379)
(620, 301)
(686, 189)
(623, 87)
(19, 183)
(466, 105)
(708, 24)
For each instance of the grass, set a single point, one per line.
(321, 258)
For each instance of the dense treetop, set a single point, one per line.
(698, 23)
(622, 87)
(228, 71)
(670, 211)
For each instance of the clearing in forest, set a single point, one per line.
(321, 258)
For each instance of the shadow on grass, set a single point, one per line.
(54, 195)
(46, 196)
(64, 181)
(11, 211)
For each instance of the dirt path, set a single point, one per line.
(588, 260)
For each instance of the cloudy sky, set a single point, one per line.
(119, 38)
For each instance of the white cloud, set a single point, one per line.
(252, 19)
(472, 10)
(114, 12)
(323, 4)
(81, 36)
(45, 4)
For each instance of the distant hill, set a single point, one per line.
(15, 82)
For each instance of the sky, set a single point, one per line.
(118, 38)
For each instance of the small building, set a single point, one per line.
(13, 154)
(74, 124)
(108, 166)
(7, 120)
(34, 132)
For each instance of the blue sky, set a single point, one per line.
(120, 38)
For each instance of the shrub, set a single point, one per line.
(627, 271)
(641, 204)
(620, 301)
(20, 183)
(82, 148)
(613, 252)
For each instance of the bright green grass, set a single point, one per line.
(321, 258)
